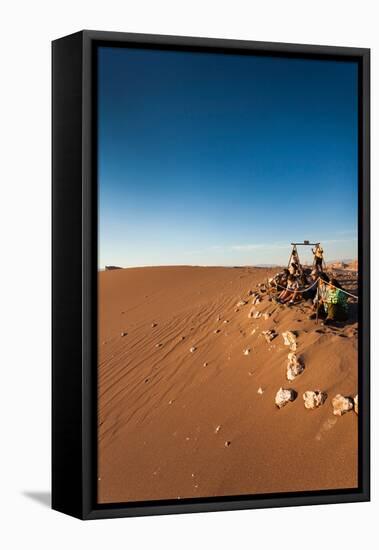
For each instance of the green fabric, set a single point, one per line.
(336, 296)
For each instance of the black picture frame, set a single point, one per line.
(74, 274)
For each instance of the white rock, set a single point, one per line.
(269, 335)
(356, 403)
(260, 391)
(289, 340)
(246, 351)
(283, 397)
(192, 349)
(341, 404)
(218, 428)
(241, 303)
(313, 399)
(294, 366)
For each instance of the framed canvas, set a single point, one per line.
(210, 275)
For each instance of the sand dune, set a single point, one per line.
(176, 423)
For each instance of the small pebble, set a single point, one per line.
(192, 349)
(153, 325)
(260, 391)
(246, 352)
(227, 443)
(205, 364)
(124, 334)
(217, 429)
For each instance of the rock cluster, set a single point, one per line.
(313, 399)
(356, 403)
(290, 340)
(255, 299)
(269, 335)
(284, 396)
(342, 405)
(294, 366)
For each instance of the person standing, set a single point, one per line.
(319, 256)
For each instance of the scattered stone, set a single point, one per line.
(284, 396)
(218, 428)
(341, 404)
(250, 292)
(266, 316)
(356, 404)
(236, 310)
(218, 318)
(269, 335)
(227, 443)
(313, 399)
(246, 351)
(290, 340)
(153, 325)
(257, 314)
(251, 313)
(260, 391)
(146, 380)
(217, 331)
(253, 331)
(192, 349)
(170, 402)
(294, 366)
(124, 334)
(158, 345)
(241, 303)
(226, 321)
(205, 364)
(256, 300)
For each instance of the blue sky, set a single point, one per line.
(214, 159)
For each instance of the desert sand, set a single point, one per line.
(187, 386)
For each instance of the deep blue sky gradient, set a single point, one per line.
(218, 159)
